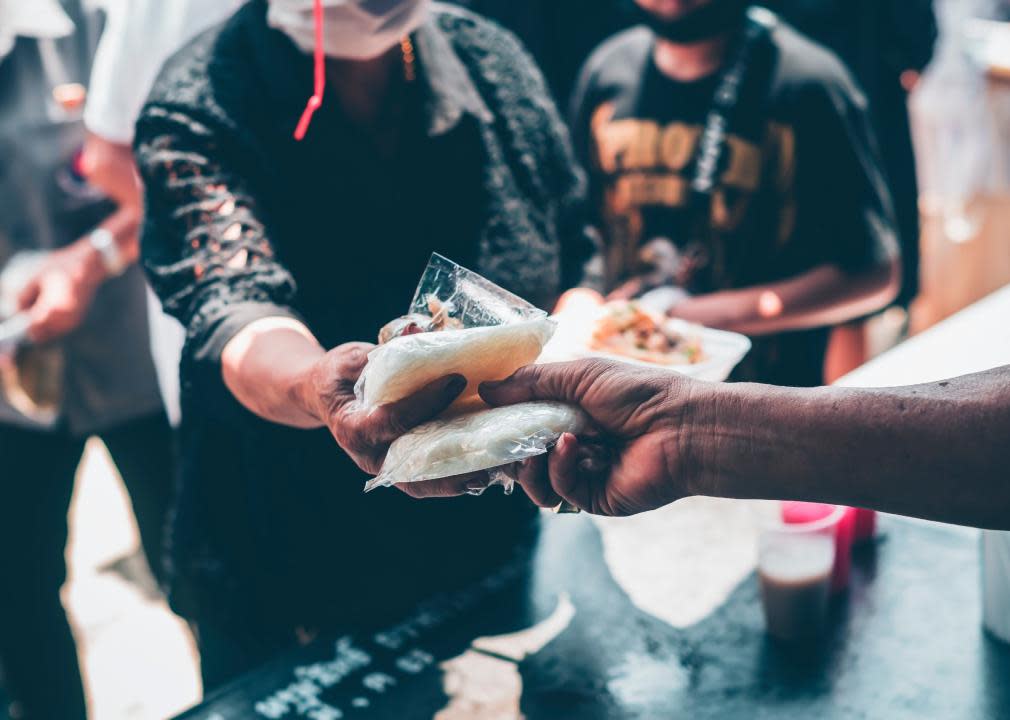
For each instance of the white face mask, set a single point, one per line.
(352, 29)
(44, 19)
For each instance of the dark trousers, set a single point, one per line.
(37, 471)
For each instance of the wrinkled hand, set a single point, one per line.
(58, 297)
(638, 458)
(366, 434)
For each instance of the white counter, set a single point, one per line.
(975, 339)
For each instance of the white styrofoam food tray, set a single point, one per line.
(723, 350)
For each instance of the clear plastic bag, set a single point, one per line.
(497, 333)
(492, 334)
(490, 439)
(473, 299)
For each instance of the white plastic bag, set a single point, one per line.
(495, 333)
(498, 334)
(476, 441)
(406, 364)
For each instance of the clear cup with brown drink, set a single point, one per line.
(794, 570)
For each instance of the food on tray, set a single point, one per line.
(625, 328)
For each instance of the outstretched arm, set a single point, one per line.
(211, 261)
(820, 297)
(937, 451)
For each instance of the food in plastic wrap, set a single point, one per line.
(406, 364)
(459, 323)
(476, 441)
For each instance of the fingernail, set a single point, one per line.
(491, 384)
(457, 384)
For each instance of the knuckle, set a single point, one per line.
(353, 355)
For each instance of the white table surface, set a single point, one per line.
(973, 340)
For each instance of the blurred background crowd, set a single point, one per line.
(904, 153)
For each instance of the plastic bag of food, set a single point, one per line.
(459, 322)
(482, 440)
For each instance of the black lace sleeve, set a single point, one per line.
(205, 250)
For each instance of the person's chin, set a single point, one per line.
(674, 9)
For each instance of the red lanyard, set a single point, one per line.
(319, 67)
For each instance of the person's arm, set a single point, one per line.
(824, 295)
(109, 166)
(265, 367)
(57, 298)
(125, 64)
(279, 371)
(938, 451)
(211, 261)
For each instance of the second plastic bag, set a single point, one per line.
(476, 441)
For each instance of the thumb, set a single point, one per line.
(553, 381)
(397, 418)
(538, 382)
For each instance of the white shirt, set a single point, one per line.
(35, 19)
(139, 36)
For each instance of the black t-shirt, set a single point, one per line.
(799, 185)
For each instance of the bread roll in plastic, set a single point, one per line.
(475, 441)
(406, 364)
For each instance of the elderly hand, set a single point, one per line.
(57, 298)
(366, 434)
(642, 457)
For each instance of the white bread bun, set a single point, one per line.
(478, 440)
(406, 364)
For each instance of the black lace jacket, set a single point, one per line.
(243, 222)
